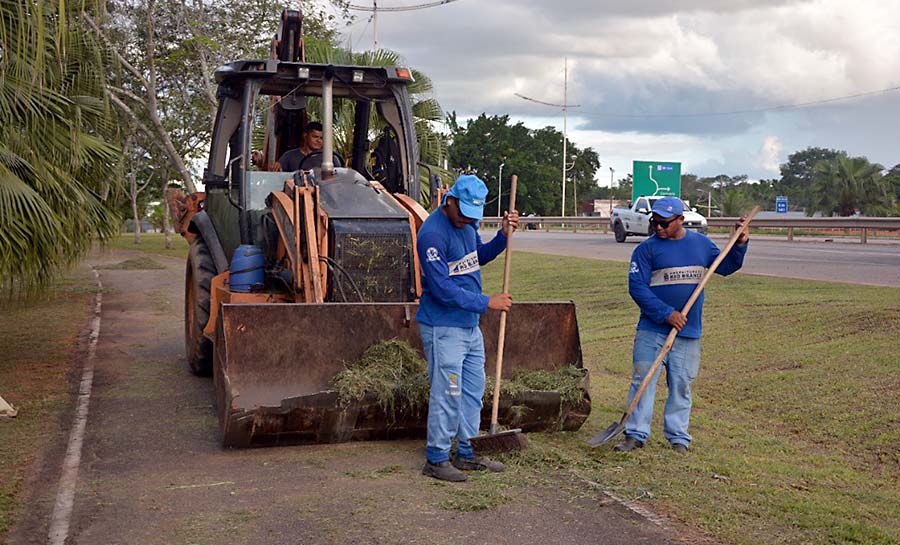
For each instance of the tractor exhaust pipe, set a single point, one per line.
(327, 126)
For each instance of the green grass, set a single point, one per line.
(796, 425)
(152, 243)
(38, 340)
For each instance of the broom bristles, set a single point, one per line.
(505, 441)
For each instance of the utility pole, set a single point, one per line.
(565, 106)
(500, 188)
(565, 128)
(375, 23)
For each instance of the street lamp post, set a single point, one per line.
(612, 172)
(574, 187)
(500, 188)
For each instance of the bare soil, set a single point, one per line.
(153, 470)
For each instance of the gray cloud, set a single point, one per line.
(661, 57)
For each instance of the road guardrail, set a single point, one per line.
(859, 224)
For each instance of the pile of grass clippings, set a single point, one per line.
(395, 373)
(391, 370)
(564, 380)
(139, 263)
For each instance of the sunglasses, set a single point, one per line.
(662, 224)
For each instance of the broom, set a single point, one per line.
(495, 440)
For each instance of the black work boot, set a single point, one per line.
(478, 463)
(680, 448)
(629, 444)
(443, 471)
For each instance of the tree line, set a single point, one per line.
(815, 181)
(535, 156)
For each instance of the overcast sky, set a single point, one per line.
(641, 70)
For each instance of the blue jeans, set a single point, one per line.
(456, 373)
(682, 364)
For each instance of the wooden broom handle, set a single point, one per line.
(502, 339)
(670, 340)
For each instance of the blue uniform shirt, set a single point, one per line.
(451, 260)
(664, 273)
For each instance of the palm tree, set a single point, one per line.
(847, 185)
(57, 165)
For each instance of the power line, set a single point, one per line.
(733, 112)
(547, 103)
(363, 33)
(374, 8)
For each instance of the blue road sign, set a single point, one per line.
(781, 205)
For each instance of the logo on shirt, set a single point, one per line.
(634, 268)
(677, 275)
(468, 264)
(432, 254)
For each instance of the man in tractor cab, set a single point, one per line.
(451, 254)
(311, 142)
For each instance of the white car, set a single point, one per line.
(636, 220)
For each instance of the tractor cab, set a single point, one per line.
(264, 108)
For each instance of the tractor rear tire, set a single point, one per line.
(619, 231)
(199, 273)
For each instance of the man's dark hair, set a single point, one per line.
(313, 126)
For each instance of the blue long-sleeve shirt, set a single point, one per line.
(451, 259)
(664, 273)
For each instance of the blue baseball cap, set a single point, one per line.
(668, 207)
(471, 192)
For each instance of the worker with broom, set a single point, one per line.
(451, 253)
(664, 271)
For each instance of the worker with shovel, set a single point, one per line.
(665, 269)
(451, 253)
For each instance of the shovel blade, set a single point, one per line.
(604, 436)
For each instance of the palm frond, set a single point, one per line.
(56, 154)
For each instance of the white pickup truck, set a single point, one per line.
(636, 220)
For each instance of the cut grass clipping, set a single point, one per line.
(390, 370)
(139, 263)
(395, 373)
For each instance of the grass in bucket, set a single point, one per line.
(395, 373)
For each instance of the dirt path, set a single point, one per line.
(152, 470)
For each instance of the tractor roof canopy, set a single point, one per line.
(282, 78)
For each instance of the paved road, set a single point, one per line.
(876, 263)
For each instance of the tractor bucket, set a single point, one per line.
(273, 363)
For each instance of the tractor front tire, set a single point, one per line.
(199, 273)
(619, 231)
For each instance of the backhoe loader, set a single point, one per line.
(291, 275)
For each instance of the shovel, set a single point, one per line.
(616, 428)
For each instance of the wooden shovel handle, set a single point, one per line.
(502, 339)
(670, 340)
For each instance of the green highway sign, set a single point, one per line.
(655, 178)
